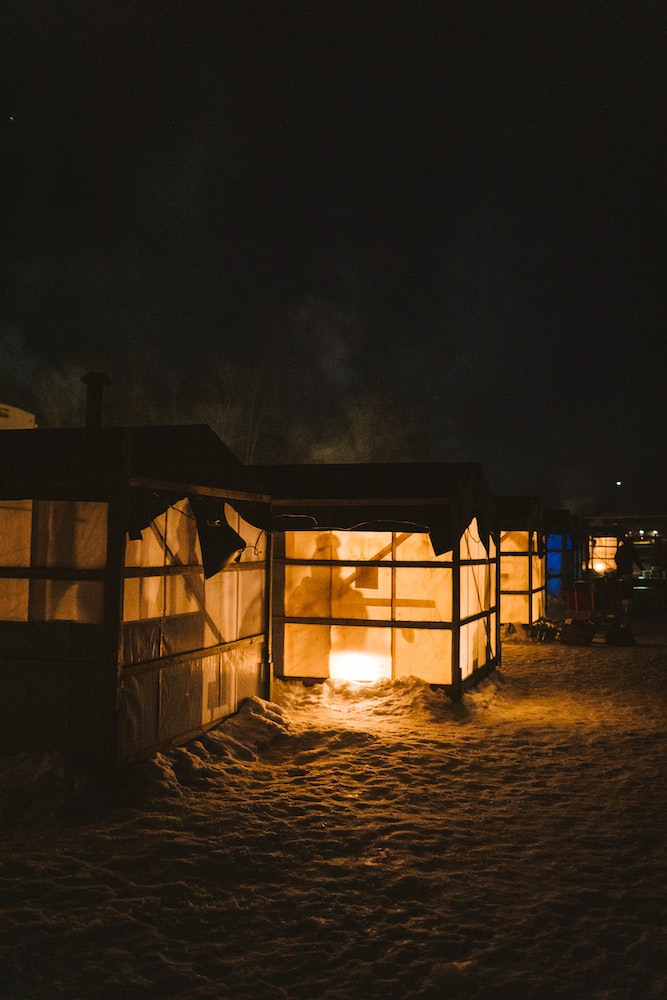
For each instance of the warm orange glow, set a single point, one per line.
(364, 668)
(602, 554)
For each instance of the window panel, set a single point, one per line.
(15, 530)
(554, 563)
(417, 547)
(513, 573)
(14, 600)
(307, 650)
(229, 591)
(299, 545)
(62, 600)
(184, 594)
(149, 550)
(423, 594)
(351, 599)
(69, 534)
(473, 646)
(364, 546)
(251, 605)
(143, 597)
(514, 541)
(423, 653)
(214, 629)
(474, 589)
(182, 540)
(514, 608)
(308, 591)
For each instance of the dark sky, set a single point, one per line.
(347, 230)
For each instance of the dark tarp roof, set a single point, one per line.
(517, 512)
(183, 453)
(83, 464)
(441, 498)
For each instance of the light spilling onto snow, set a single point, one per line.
(362, 668)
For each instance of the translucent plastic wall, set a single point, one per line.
(169, 608)
(57, 548)
(205, 638)
(478, 594)
(557, 544)
(560, 567)
(366, 605)
(522, 577)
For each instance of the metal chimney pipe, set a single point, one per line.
(95, 383)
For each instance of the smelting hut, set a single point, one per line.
(522, 560)
(383, 571)
(132, 592)
(564, 558)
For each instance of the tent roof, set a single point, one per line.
(517, 512)
(441, 498)
(69, 458)
(156, 465)
(372, 481)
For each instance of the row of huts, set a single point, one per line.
(150, 582)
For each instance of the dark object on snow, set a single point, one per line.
(577, 633)
(620, 634)
(543, 630)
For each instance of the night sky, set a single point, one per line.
(347, 231)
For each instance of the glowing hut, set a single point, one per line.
(522, 561)
(132, 593)
(383, 571)
(564, 558)
(602, 553)
(643, 533)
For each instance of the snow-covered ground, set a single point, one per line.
(360, 843)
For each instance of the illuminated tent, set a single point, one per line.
(522, 560)
(382, 571)
(602, 552)
(645, 529)
(132, 593)
(564, 559)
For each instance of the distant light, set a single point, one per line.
(654, 532)
(618, 482)
(641, 531)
